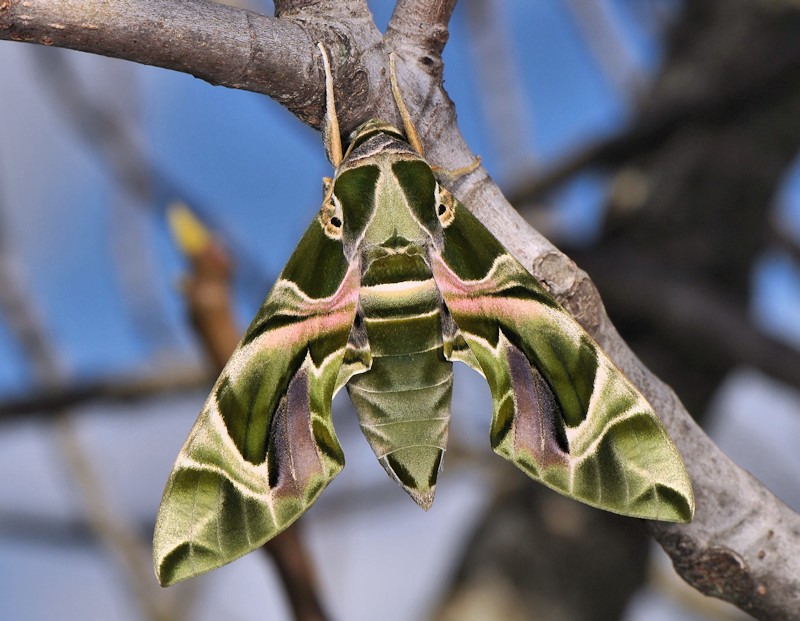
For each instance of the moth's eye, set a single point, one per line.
(445, 207)
(336, 222)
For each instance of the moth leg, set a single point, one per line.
(408, 124)
(331, 137)
(452, 175)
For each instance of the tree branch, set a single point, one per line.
(45, 401)
(605, 44)
(705, 316)
(321, 10)
(217, 43)
(507, 118)
(741, 546)
(421, 24)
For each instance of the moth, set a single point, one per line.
(394, 281)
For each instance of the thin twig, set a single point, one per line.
(45, 401)
(111, 528)
(112, 130)
(603, 39)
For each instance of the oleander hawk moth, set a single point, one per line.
(393, 281)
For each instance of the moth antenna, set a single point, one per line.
(331, 137)
(408, 125)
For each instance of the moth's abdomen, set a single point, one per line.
(403, 401)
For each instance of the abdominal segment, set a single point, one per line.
(403, 400)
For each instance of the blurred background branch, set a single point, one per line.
(109, 526)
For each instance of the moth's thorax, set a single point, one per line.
(386, 264)
(385, 193)
(392, 218)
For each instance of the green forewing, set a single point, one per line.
(263, 447)
(563, 412)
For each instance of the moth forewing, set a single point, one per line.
(264, 447)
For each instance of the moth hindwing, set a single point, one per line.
(392, 282)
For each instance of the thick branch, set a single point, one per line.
(422, 24)
(217, 43)
(321, 10)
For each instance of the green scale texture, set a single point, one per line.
(403, 401)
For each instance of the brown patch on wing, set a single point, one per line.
(537, 426)
(292, 456)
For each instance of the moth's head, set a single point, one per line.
(387, 199)
(370, 129)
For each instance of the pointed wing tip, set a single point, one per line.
(686, 514)
(167, 577)
(423, 499)
(186, 560)
(679, 510)
(677, 517)
(163, 581)
(168, 571)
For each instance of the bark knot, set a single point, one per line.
(571, 287)
(717, 571)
